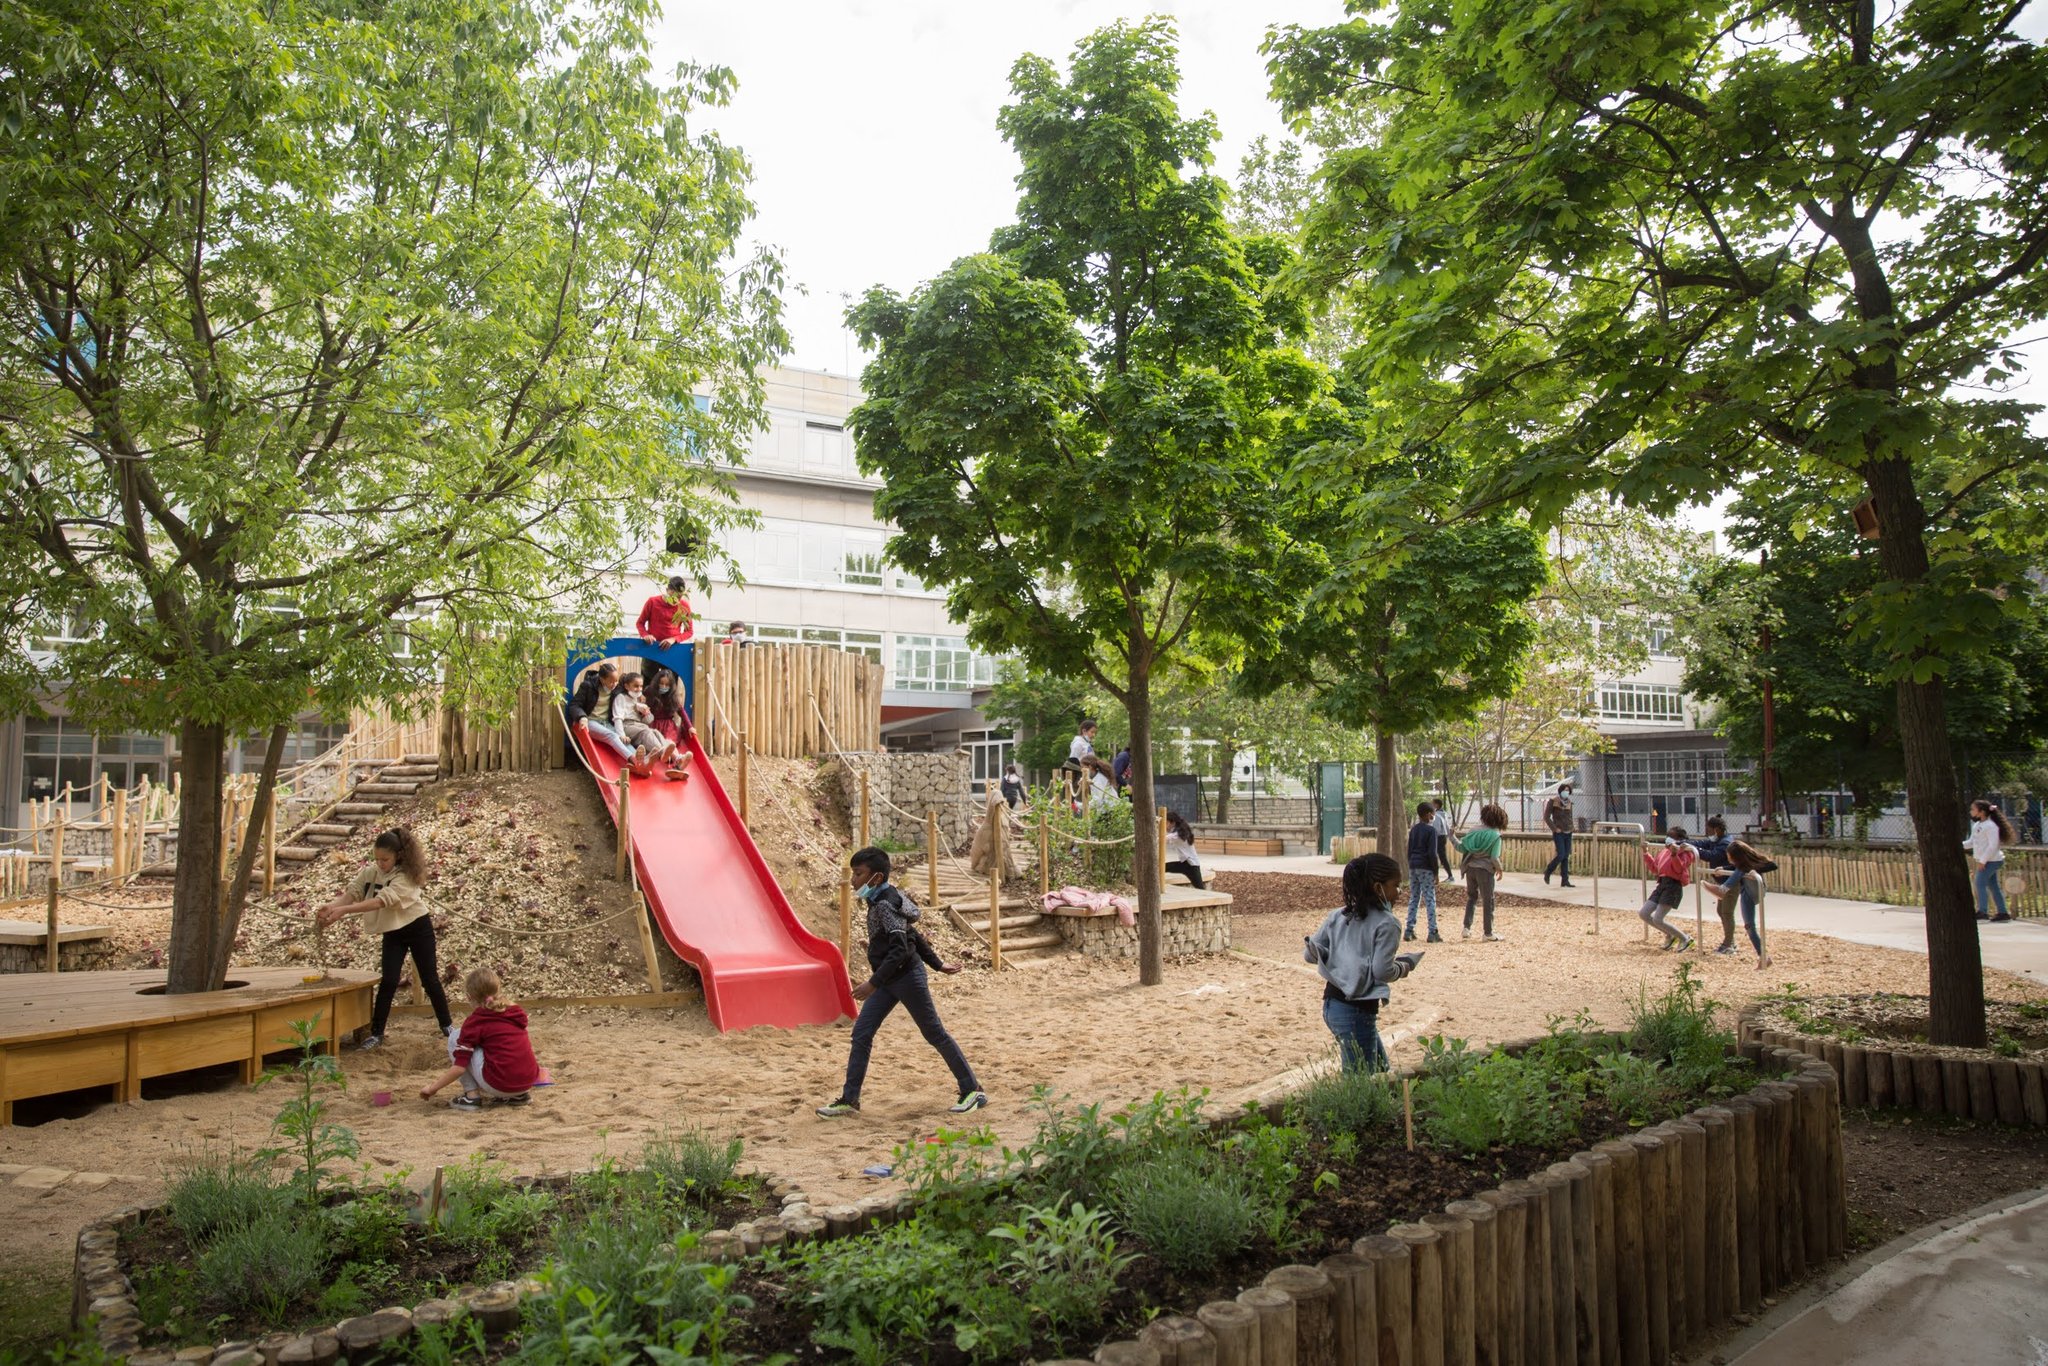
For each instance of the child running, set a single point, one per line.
(492, 1057)
(387, 895)
(633, 718)
(1481, 850)
(1425, 852)
(1353, 950)
(1673, 866)
(897, 954)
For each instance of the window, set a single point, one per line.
(865, 643)
(56, 754)
(1641, 702)
(826, 449)
(1688, 782)
(1662, 638)
(940, 664)
(991, 751)
(780, 551)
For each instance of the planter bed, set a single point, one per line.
(1872, 1045)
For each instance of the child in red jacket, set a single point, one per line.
(1672, 866)
(492, 1056)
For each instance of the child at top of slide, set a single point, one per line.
(492, 1056)
(665, 617)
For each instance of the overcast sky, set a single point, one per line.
(872, 126)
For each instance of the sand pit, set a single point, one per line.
(1232, 1023)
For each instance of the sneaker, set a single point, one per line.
(1496, 939)
(973, 1100)
(1409, 935)
(521, 1099)
(466, 1102)
(1685, 943)
(370, 1041)
(2000, 919)
(1465, 933)
(1433, 939)
(1726, 950)
(839, 1109)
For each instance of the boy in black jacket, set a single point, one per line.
(1425, 851)
(897, 955)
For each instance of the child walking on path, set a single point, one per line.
(1672, 864)
(897, 955)
(1353, 951)
(1425, 851)
(492, 1056)
(1990, 832)
(1481, 849)
(387, 894)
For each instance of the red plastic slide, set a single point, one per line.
(719, 907)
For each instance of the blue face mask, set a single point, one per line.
(866, 893)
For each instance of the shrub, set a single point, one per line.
(1678, 1030)
(691, 1164)
(264, 1266)
(370, 1227)
(1500, 1100)
(1336, 1102)
(876, 1295)
(1189, 1215)
(218, 1191)
(647, 1273)
(1446, 1059)
(1073, 1152)
(486, 1214)
(1634, 1087)
(1064, 1264)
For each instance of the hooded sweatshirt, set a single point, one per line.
(894, 942)
(500, 1031)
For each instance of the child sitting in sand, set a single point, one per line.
(492, 1056)
(633, 718)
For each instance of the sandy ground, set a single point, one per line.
(1237, 1024)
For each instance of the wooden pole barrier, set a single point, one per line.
(1789, 1226)
(648, 953)
(1748, 1273)
(1580, 1246)
(864, 809)
(1539, 1339)
(1276, 1323)
(1724, 1253)
(1485, 1297)
(1315, 1329)
(1691, 1199)
(1235, 1327)
(1650, 1227)
(1354, 1306)
(625, 857)
(1604, 1253)
(117, 837)
(1425, 1290)
(742, 738)
(57, 847)
(1631, 1310)
(931, 858)
(1855, 1077)
(995, 895)
(1392, 1297)
(1129, 1353)
(1511, 1217)
(1764, 1251)
(50, 929)
(1180, 1341)
(1455, 1238)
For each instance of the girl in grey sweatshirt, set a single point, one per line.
(1355, 952)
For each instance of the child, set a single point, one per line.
(1180, 850)
(897, 955)
(492, 1057)
(634, 719)
(1673, 866)
(1990, 832)
(387, 893)
(1425, 852)
(590, 709)
(665, 617)
(1353, 950)
(1744, 878)
(665, 699)
(1481, 849)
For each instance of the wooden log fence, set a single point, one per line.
(769, 692)
(1985, 1088)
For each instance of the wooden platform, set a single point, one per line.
(36, 934)
(69, 1030)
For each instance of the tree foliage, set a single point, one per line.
(1077, 427)
(334, 325)
(1656, 246)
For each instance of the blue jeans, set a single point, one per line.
(1990, 888)
(1422, 888)
(1561, 861)
(913, 991)
(608, 737)
(1358, 1035)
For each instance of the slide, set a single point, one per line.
(719, 906)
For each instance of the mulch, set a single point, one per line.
(1305, 893)
(1907, 1170)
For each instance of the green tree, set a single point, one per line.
(1212, 708)
(1654, 247)
(333, 324)
(1788, 616)
(1077, 428)
(1044, 710)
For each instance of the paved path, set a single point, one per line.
(2020, 947)
(1970, 1289)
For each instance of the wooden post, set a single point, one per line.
(647, 950)
(864, 841)
(743, 777)
(1044, 854)
(57, 845)
(1180, 1341)
(1511, 1222)
(50, 930)
(1426, 1291)
(1455, 1236)
(1235, 1327)
(1275, 1333)
(1691, 1199)
(1354, 1305)
(1393, 1297)
(625, 858)
(1408, 1110)
(1128, 1353)
(1486, 1287)
(100, 807)
(1631, 1309)
(931, 858)
(117, 838)
(1315, 1329)
(995, 895)
(1724, 1255)
(1748, 1272)
(1578, 1327)
(1655, 1270)
(270, 845)
(1604, 1258)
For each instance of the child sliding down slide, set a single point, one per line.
(634, 719)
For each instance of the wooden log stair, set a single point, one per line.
(1028, 937)
(385, 781)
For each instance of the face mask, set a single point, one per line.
(866, 893)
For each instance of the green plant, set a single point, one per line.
(1344, 1147)
(217, 1190)
(954, 1170)
(1073, 1150)
(648, 1271)
(692, 1165)
(164, 1300)
(888, 1291)
(1190, 1214)
(1634, 1087)
(445, 1344)
(313, 1142)
(1064, 1264)
(2033, 1010)
(486, 1212)
(1336, 1103)
(1678, 1029)
(372, 1226)
(1500, 1100)
(2005, 1045)
(1446, 1059)
(1088, 864)
(1264, 1154)
(263, 1266)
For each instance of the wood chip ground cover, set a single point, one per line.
(2018, 1029)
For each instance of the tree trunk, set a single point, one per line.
(245, 867)
(1388, 818)
(1225, 771)
(1955, 965)
(195, 899)
(1145, 823)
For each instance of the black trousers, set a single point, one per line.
(416, 939)
(1191, 871)
(913, 992)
